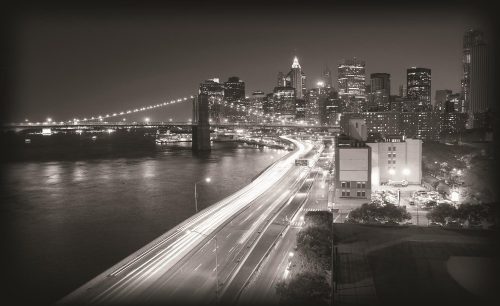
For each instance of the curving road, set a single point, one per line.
(180, 265)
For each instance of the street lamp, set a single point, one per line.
(196, 193)
(216, 262)
(146, 119)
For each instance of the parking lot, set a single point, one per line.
(414, 205)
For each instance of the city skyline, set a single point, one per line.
(240, 153)
(147, 48)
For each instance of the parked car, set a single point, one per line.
(435, 224)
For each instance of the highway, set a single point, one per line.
(180, 265)
(261, 289)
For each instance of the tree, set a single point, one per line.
(315, 243)
(443, 213)
(376, 213)
(318, 218)
(473, 213)
(306, 288)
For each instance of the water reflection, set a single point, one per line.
(73, 220)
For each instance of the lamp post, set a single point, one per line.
(196, 193)
(333, 261)
(216, 263)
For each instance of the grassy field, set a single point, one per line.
(408, 265)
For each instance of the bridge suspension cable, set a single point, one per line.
(229, 105)
(132, 111)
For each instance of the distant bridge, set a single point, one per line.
(163, 124)
(199, 126)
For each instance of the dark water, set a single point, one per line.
(68, 220)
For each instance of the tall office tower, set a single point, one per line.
(284, 102)
(479, 99)
(215, 95)
(380, 87)
(454, 103)
(471, 38)
(312, 104)
(300, 109)
(268, 105)
(440, 98)
(234, 90)
(257, 105)
(234, 93)
(327, 77)
(297, 79)
(330, 108)
(351, 83)
(418, 87)
(351, 77)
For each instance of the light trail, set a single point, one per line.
(168, 251)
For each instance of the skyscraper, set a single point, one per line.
(297, 79)
(440, 98)
(479, 101)
(351, 82)
(234, 93)
(476, 78)
(284, 102)
(351, 78)
(471, 38)
(257, 101)
(418, 86)
(215, 94)
(380, 86)
(234, 89)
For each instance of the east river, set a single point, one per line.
(66, 221)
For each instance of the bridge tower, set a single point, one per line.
(201, 124)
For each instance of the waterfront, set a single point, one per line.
(70, 220)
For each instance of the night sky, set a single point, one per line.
(81, 61)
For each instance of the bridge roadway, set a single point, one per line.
(180, 265)
(86, 125)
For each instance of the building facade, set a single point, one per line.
(428, 126)
(257, 100)
(283, 101)
(234, 95)
(353, 173)
(380, 92)
(440, 98)
(418, 86)
(351, 84)
(215, 95)
(296, 79)
(479, 78)
(471, 38)
(396, 159)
